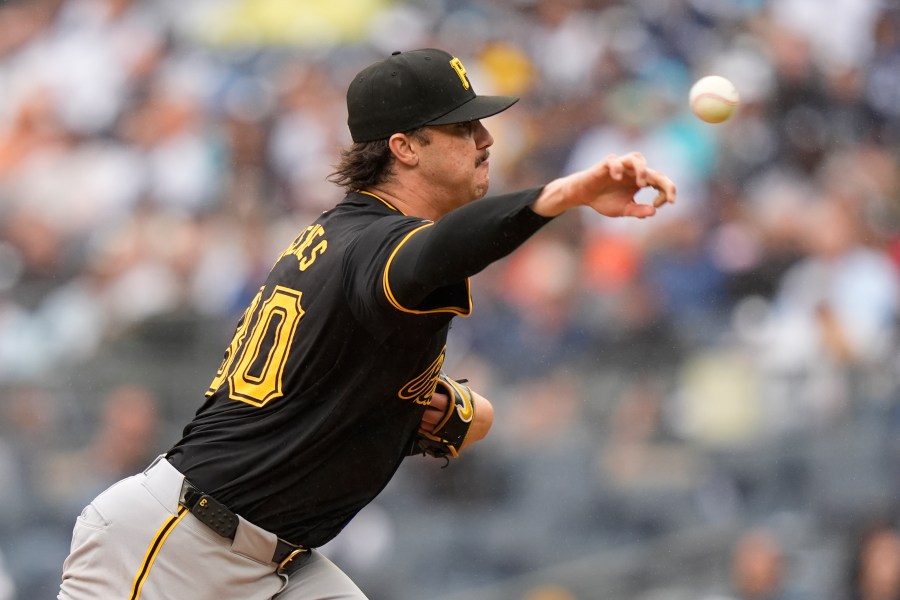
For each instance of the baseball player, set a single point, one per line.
(335, 371)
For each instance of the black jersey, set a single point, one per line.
(323, 386)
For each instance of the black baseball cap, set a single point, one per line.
(411, 89)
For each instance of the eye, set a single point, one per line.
(466, 127)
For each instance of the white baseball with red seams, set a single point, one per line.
(714, 99)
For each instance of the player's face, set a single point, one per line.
(456, 161)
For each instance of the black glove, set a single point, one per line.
(450, 432)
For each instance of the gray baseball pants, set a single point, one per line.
(135, 541)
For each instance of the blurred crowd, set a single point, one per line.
(732, 361)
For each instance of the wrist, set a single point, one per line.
(551, 201)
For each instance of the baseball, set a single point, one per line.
(714, 99)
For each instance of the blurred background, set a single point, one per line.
(700, 406)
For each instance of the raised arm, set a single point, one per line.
(468, 239)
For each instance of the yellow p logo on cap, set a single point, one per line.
(457, 66)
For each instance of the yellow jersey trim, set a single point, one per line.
(383, 201)
(460, 311)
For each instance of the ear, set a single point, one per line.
(403, 147)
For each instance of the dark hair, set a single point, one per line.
(366, 164)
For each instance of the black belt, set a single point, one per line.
(220, 519)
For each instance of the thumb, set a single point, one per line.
(639, 211)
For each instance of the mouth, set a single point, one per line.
(483, 160)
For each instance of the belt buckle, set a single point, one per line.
(296, 552)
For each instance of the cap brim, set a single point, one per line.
(479, 107)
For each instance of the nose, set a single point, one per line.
(483, 137)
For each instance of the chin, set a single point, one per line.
(481, 188)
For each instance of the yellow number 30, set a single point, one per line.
(254, 361)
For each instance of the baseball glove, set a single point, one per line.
(450, 432)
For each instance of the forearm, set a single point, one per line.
(552, 200)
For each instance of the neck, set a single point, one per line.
(409, 202)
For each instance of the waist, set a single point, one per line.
(246, 537)
(312, 500)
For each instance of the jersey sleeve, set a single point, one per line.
(459, 245)
(410, 266)
(364, 275)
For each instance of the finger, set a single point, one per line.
(615, 167)
(431, 418)
(637, 156)
(439, 401)
(663, 185)
(640, 211)
(637, 164)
